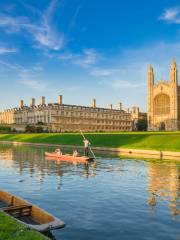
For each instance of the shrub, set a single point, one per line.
(34, 129)
(142, 125)
(5, 129)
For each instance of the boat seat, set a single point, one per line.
(19, 211)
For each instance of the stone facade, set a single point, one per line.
(164, 101)
(7, 117)
(59, 117)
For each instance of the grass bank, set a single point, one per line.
(165, 141)
(10, 229)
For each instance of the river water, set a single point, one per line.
(113, 198)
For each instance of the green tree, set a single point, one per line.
(30, 129)
(142, 125)
(39, 129)
(5, 129)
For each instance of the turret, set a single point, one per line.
(21, 104)
(94, 103)
(111, 106)
(150, 76)
(174, 93)
(42, 100)
(32, 102)
(173, 73)
(150, 86)
(120, 106)
(60, 99)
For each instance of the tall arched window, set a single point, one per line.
(162, 104)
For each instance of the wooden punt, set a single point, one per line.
(68, 157)
(30, 215)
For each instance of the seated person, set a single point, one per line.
(75, 153)
(58, 151)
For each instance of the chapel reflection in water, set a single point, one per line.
(164, 185)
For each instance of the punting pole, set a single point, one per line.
(89, 146)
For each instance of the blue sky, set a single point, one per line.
(85, 49)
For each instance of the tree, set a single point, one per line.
(5, 129)
(39, 129)
(30, 129)
(142, 125)
(34, 129)
(40, 123)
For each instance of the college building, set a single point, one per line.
(60, 117)
(164, 101)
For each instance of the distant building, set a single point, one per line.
(7, 117)
(59, 117)
(137, 116)
(164, 101)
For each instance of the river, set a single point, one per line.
(113, 198)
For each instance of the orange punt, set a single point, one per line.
(68, 157)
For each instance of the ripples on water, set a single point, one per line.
(111, 199)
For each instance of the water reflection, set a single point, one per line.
(50, 236)
(163, 179)
(113, 192)
(164, 185)
(25, 159)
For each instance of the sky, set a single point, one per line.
(85, 49)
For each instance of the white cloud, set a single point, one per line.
(31, 78)
(43, 31)
(12, 66)
(34, 84)
(64, 56)
(5, 50)
(85, 59)
(98, 72)
(120, 84)
(73, 21)
(46, 35)
(38, 67)
(88, 57)
(171, 15)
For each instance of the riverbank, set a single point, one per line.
(140, 145)
(159, 141)
(10, 229)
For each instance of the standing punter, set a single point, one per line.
(86, 147)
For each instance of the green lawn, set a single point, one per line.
(169, 141)
(10, 229)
